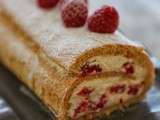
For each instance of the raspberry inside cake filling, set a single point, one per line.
(98, 94)
(99, 64)
(101, 93)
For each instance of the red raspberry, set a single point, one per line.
(118, 89)
(102, 102)
(74, 13)
(133, 89)
(128, 68)
(90, 70)
(47, 4)
(85, 92)
(104, 20)
(86, 1)
(82, 107)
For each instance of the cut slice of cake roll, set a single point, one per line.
(76, 73)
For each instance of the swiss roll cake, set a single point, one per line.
(77, 74)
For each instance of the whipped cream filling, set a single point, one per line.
(115, 63)
(95, 95)
(110, 63)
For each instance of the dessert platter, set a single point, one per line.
(77, 63)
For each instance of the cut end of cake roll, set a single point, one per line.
(102, 94)
(127, 60)
(109, 78)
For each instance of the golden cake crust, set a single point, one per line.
(50, 37)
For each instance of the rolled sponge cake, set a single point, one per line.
(76, 73)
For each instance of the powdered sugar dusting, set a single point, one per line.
(23, 54)
(49, 32)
